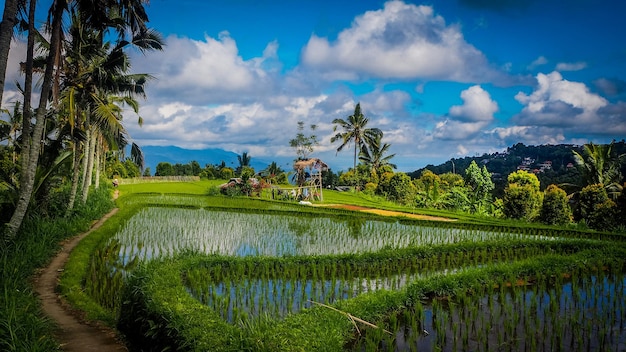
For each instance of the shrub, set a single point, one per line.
(522, 197)
(555, 209)
(596, 209)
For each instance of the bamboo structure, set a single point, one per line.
(309, 176)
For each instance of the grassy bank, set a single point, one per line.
(159, 311)
(22, 326)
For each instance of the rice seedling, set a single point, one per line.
(523, 318)
(161, 232)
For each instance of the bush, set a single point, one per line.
(596, 209)
(522, 197)
(22, 327)
(555, 209)
(370, 188)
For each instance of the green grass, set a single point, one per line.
(199, 187)
(171, 303)
(22, 325)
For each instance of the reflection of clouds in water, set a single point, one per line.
(162, 232)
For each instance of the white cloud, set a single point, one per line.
(465, 121)
(401, 41)
(557, 101)
(209, 70)
(571, 66)
(560, 111)
(477, 106)
(533, 135)
(540, 61)
(17, 54)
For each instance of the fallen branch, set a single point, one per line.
(352, 318)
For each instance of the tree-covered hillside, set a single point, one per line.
(553, 164)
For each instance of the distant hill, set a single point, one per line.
(153, 155)
(552, 163)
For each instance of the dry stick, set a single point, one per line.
(352, 318)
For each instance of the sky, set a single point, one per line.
(441, 79)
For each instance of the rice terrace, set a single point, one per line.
(178, 269)
(295, 176)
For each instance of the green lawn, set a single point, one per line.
(196, 187)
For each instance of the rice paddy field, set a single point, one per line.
(178, 269)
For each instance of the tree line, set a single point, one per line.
(582, 185)
(78, 67)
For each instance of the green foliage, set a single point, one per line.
(132, 170)
(522, 197)
(621, 207)
(247, 172)
(480, 187)
(116, 168)
(429, 192)
(22, 328)
(160, 313)
(596, 209)
(164, 169)
(354, 129)
(304, 145)
(355, 177)
(373, 155)
(397, 187)
(555, 209)
(600, 165)
(227, 173)
(370, 188)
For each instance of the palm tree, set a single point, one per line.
(123, 16)
(374, 155)
(599, 165)
(9, 20)
(30, 159)
(354, 130)
(244, 161)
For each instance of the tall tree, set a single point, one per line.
(9, 20)
(354, 129)
(599, 165)
(96, 84)
(244, 162)
(122, 16)
(480, 186)
(27, 177)
(374, 156)
(522, 197)
(303, 144)
(555, 208)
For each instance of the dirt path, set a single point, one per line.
(73, 334)
(386, 212)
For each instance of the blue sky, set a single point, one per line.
(442, 79)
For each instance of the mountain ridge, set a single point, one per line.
(153, 155)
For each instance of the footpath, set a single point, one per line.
(72, 332)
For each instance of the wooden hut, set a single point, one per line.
(309, 177)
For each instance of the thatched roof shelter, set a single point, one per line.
(313, 163)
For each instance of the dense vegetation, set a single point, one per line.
(264, 303)
(500, 164)
(55, 155)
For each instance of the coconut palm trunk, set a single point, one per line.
(9, 20)
(89, 155)
(27, 178)
(28, 84)
(97, 164)
(75, 177)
